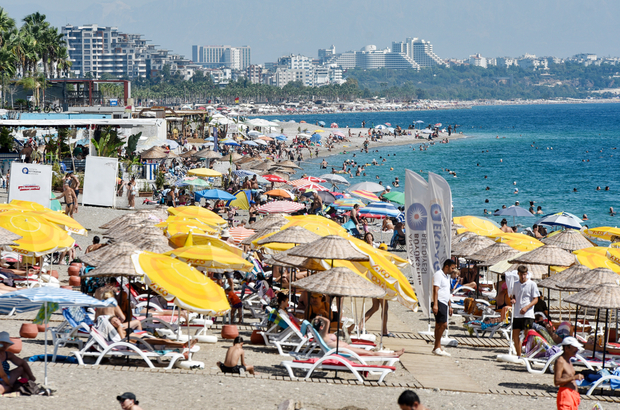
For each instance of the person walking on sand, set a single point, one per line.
(233, 355)
(70, 199)
(132, 190)
(409, 400)
(564, 375)
(441, 303)
(524, 297)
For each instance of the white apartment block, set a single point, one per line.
(369, 58)
(236, 58)
(421, 52)
(97, 50)
(477, 60)
(505, 61)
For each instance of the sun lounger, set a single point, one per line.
(607, 381)
(99, 347)
(324, 350)
(291, 337)
(338, 364)
(75, 327)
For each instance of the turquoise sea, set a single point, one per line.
(548, 150)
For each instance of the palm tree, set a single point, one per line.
(6, 25)
(31, 83)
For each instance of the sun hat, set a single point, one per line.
(225, 233)
(4, 338)
(571, 341)
(127, 395)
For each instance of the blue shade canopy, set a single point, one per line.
(32, 299)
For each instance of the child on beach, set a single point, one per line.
(234, 353)
(235, 306)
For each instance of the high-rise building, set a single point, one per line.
(326, 53)
(97, 50)
(369, 58)
(422, 53)
(478, 61)
(236, 58)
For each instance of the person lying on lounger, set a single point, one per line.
(321, 324)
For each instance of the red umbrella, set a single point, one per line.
(388, 124)
(334, 125)
(281, 207)
(311, 185)
(274, 178)
(314, 179)
(438, 124)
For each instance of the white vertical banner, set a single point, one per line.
(100, 181)
(440, 202)
(31, 182)
(418, 240)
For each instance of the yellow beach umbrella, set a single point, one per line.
(596, 250)
(39, 237)
(27, 205)
(607, 233)
(477, 225)
(524, 246)
(10, 207)
(197, 239)
(615, 245)
(613, 254)
(211, 257)
(594, 261)
(204, 172)
(62, 220)
(182, 284)
(184, 228)
(197, 212)
(180, 219)
(506, 237)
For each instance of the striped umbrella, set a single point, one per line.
(348, 203)
(365, 195)
(285, 207)
(240, 233)
(310, 185)
(314, 179)
(380, 208)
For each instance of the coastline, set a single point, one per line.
(431, 105)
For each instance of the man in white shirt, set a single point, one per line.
(525, 296)
(441, 303)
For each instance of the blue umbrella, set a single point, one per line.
(315, 137)
(380, 208)
(281, 137)
(230, 142)
(28, 300)
(513, 211)
(214, 194)
(250, 143)
(322, 123)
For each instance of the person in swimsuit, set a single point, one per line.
(234, 353)
(70, 199)
(8, 377)
(132, 191)
(321, 324)
(564, 375)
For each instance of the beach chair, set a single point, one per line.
(539, 356)
(337, 363)
(398, 243)
(293, 336)
(352, 229)
(76, 326)
(480, 328)
(317, 342)
(607, 381)
(100, 347)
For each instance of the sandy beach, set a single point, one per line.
(471, 378)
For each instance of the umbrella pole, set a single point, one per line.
(129, 315)
(561, 308)
(148, 300)
(596, 334)
(605, 336)
(45, 344)
(576, 321)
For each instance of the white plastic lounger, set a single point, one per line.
(336, 363)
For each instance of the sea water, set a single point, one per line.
(546, 151)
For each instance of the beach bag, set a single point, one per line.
(28, 388)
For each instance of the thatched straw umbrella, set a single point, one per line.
(570, 240)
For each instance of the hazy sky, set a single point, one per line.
(272, 28)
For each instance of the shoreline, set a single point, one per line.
(443, 105)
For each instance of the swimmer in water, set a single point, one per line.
(611, 211)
